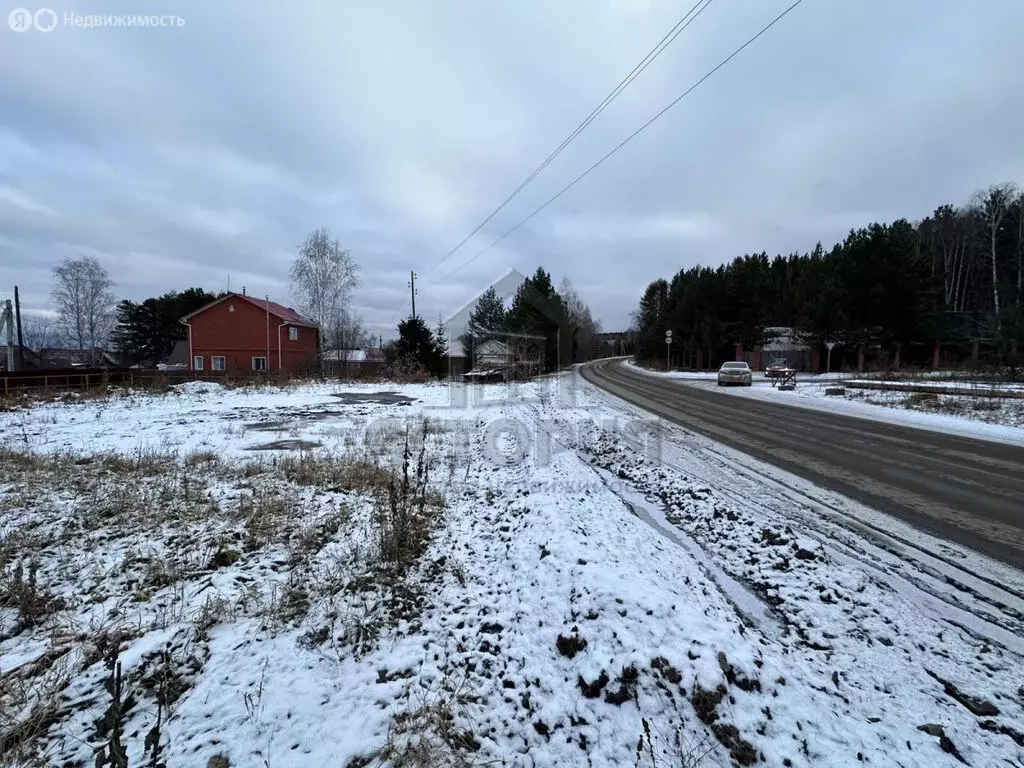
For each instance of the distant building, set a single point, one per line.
(239, 333)
(492, 354)
(354, 355)
(31, 359)
(64, 358)
(354, 361)
(782, 343)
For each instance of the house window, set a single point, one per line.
(259, 363)
(217, 363)
(197, 363)
(293, 334)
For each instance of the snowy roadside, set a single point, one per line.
(596, 589)
(998, 420)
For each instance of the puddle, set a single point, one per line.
(285, 445)
(268, 426)
(379, 398)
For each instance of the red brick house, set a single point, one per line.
(239, 333)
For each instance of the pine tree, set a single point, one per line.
(486, 321)
(417, 343)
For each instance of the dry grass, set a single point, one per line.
(201, 459)
(335, 473)
(427, 733)
(267, 515)
(29, 704)
(20, 589)
(345, 533)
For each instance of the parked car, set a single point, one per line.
(735, 373)
(775, 368)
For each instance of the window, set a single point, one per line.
(217, 363)
(197, 363)
(259, 363)
(293, 334)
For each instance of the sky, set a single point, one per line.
(202, 154)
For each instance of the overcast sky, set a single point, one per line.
(189, 155)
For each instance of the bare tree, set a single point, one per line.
(993, 206)
(39, 332)
(580, 320)
(322, 280)
(345, 331)
(83, 293)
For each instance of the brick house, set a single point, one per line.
(240, 334)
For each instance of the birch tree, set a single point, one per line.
(584, 327)
(84, 299)
(994, 206)
(322, 280)
(38, 332)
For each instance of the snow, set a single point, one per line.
(826, 627)
(994, 419)
(198, 387)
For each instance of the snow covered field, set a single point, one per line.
(1001, 420)
(575, 584)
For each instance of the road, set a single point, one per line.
(967, 491)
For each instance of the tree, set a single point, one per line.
(323, 277)
(82, 291)
(441, 337)
(583, 327)
(416, 343)
(39, 332)
(486, 319)
(146, 331)
(345, 331)
(537, 317)
(994, 205)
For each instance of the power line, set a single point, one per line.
(656, 51)
(628, 139)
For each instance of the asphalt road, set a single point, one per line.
(968, 491)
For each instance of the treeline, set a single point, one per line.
(953, 278)
(543, 327)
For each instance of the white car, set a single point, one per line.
(735, 373)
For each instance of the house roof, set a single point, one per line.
(63, 357)
(287, 314)
(492, 347)
(355, 355)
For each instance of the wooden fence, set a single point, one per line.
(85, 379)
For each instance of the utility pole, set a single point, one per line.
(412, 288)
(7, 321)
(21, 339)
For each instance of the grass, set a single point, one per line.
(20, 589)
(330, 544)
(29, 704)
(425, 734)
(341, 473)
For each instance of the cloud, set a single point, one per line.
(24, 203)
(193, 155)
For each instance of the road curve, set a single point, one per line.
(968, 491)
